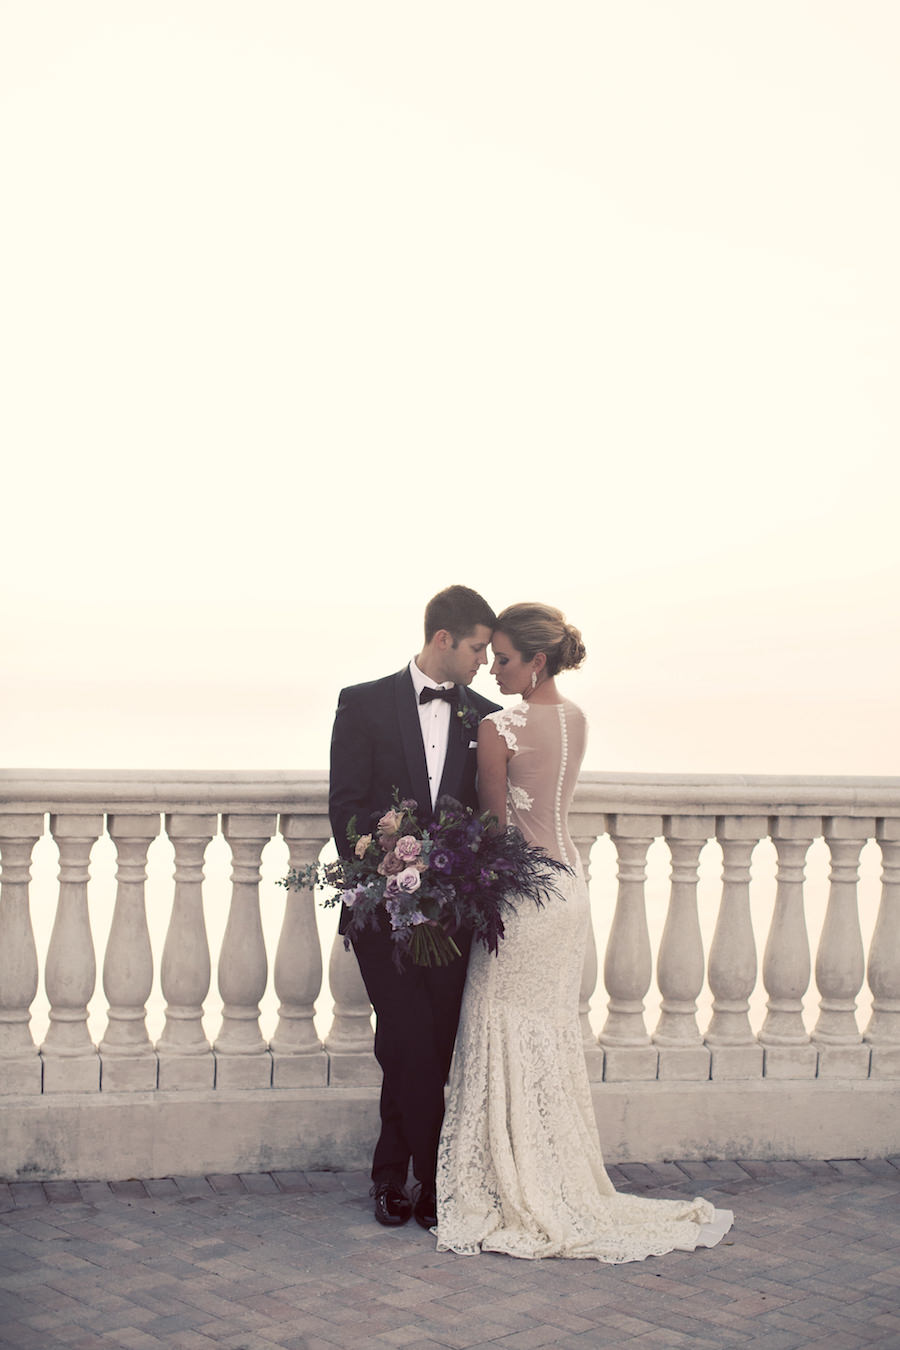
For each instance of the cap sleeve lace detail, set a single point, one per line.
(505, 720)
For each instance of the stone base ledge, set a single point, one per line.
(71, 1073)
(244, 1071)
(790, 1061)
(736, 1062)
(112, 1136)
(885, 1061)
(128, 1073)
(20, 1076)
(303, 1070)
(844, 1061)
(684, 1063)
(185, 1073)
(353, 1069)
(630, 1063)
(799, 1119)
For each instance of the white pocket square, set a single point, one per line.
(473, 745)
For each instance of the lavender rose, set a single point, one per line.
(409, 880)
(403, 883)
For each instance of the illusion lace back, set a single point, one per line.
(520, 1168)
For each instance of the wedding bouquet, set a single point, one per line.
(460, 871)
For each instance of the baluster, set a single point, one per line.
(883, 1031)
(585, 830)
(128, 1062)
(185, 1055)
(349, 1043)
(786, 961)
(735, 1051)
(298, 1056)
(840, 961)
(242, 1056)
(20, 1063)
(627, 967)
(679, 967)
(71, 1062)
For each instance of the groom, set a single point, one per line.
(415, 731)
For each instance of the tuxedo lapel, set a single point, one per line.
(411, 738)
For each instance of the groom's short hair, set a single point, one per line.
(458, 609)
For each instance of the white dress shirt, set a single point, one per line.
(434, 719)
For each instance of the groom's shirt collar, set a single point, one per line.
(422, 681)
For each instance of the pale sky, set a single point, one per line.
(309, 310)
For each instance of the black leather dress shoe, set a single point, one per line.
(425, 1208)
(392, 1205)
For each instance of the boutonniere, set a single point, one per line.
(468, 716)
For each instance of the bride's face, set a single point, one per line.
(512, 673)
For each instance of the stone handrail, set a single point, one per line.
(631, 811)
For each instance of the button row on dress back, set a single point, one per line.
(563, 761)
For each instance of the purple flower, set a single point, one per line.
(440, 861)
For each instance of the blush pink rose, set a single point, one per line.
(390, 865)
(408, 848)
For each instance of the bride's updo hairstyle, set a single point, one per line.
(533, 628)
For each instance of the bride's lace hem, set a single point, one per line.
(615, 1228)
(616, 1241)
(713, 1233)
(520, 1168)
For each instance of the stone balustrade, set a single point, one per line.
(724, 1073)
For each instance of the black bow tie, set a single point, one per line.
(450, 695)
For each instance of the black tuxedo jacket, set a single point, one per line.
(376, 746)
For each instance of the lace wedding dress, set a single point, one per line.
(520, 1168)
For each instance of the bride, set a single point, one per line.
(520, 1168)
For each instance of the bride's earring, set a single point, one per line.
(533, 680)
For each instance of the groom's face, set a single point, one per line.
(463, 661)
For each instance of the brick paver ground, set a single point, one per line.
(295, 1261)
